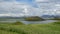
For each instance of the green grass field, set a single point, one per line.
(30, 29)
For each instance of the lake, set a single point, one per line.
(26, 22)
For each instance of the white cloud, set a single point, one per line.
(16, 9)
(41, 0)
(7, 0)
(13, 15)
(58, 5)
(13, 8)
(49, 7)
(4, 15)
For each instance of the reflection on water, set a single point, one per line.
(27, 22)
(38, 22)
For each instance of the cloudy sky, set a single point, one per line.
(29, 7)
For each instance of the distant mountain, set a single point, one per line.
(43, 16)
(48, 16)
(10, 17)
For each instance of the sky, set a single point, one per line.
(18, 8)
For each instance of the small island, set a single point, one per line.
(34, 18)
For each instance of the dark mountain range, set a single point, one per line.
(10, 17)
(43, 16)
(50, 16)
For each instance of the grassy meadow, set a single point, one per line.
(53, 28)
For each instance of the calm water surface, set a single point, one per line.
(26, 22)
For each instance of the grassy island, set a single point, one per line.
(34, 18)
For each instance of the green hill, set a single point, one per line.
(34, 18)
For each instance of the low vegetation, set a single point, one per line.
(56, 22)
(30, 29)
(18, 23)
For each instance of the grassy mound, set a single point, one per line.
(56, 22)
(18, 23)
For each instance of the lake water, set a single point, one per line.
(26, 22)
